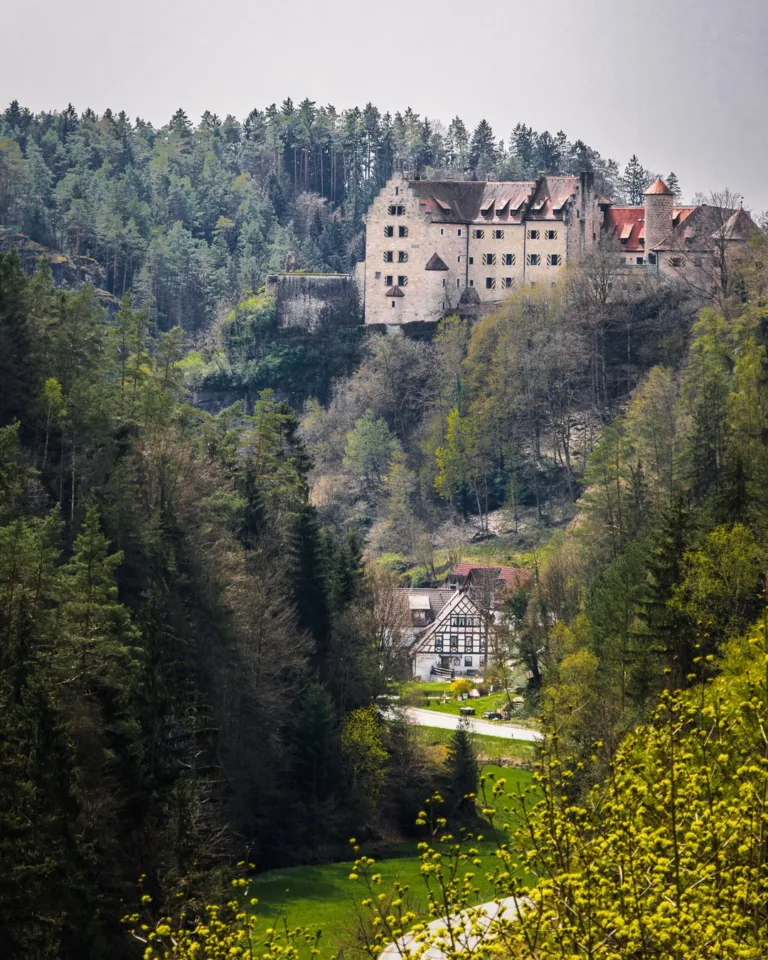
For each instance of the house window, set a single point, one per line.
(489, 259)
(550, 234)
(640, 261)
(402, 231)
(402, 256)
(533, 234)
(438, 643)
(389, 231)
(468, 642)
(534, 259)
(508, 281)
(454, 644)
(478, 234)
(490, 283)
(508, 259)
(388, 256)
(498, 234)
(467, 661)
(402, 281)
(482, 645)
(388, 280)
(553, 259)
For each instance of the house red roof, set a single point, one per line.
(512, 577)
(625, 225)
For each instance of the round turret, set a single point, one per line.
(659, 211)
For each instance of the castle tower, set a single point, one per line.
(659, 211)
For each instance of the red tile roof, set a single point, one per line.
(511, 576)
(659, 188)
(627, 223)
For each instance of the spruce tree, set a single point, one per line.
(462, 768)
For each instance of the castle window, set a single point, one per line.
(478, 234)
(509, 260)
(553, 259)
(459, 258)
(393, 302)
(388, 256)
(471, 283)
(651, 258)
(388, 280)
(533, 234)
(402, 256)
(396, 210)
(508, 281)
(443, 282)
(489, 259)
(442, 231)
(402, 231)
(402, 281)
(490, 283)
(459, 231)
(551, 234)
(533, 259)
(676, 262)
(458, 282)
(378, 274)
(640, 261)
(498, 234)
(389, 231)
(397, 191)
(623, 259)
(471, 259)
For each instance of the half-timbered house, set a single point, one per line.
(454, 644)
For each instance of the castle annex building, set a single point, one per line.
(435, 247)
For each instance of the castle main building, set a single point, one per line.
(435, 247)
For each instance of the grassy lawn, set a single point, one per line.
(490, 748)
(323, 897)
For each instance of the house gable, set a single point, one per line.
(459, 628)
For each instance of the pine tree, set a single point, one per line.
(674, 185)
(462, 768)
(634, 181)
(482, 151)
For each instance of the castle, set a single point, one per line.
(435, 247)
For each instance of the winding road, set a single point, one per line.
(449, 721)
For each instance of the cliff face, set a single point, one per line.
(67, 272)
(315, 301)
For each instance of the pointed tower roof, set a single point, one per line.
(436, 263)
(658, 188)
(740, 226)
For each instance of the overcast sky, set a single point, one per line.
(682, 83)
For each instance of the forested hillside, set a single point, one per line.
(192, 217)
(196, 610)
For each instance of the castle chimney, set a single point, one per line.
(659, 210)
